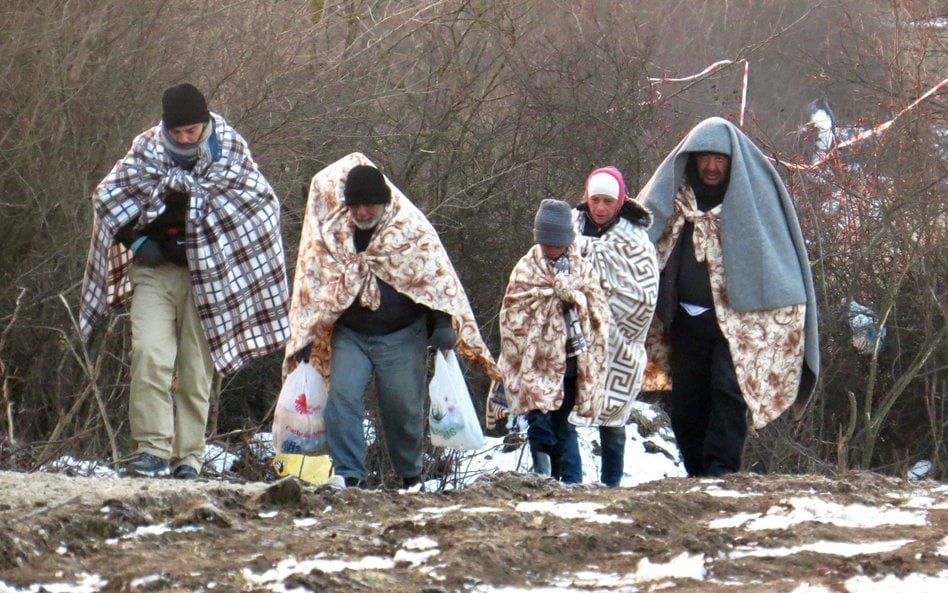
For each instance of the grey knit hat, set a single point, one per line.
(553, 224)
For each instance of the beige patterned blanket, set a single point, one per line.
(405, 252)
(533, 336)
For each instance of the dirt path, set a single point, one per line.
(745, 533)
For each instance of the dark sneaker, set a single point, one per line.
(185, 472)
(413, 484)
(146, 465)
(353, 482)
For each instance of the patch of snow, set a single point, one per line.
(87, 468)
(832, 548)
(808, 588)
(440, 510)
(420, 543)
(926, 502)
(147, 580)
(87, 583)
(584, 511)
(813, 509)
(943, 547)
(735, 520)
(721, 493)
(146, 530)
(415, 558)
(913, 583)
(291, 566)
(682, 566)
(417, 551)
(219, 460)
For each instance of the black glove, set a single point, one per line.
(303, 355)
(149, 254)
(443, 338)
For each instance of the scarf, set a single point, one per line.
(575, 341)
(187, 155)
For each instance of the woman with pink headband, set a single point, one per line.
(619, 246)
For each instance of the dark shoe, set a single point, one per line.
(414, 484)
(353, 482)
(185, 472)
(146, 465)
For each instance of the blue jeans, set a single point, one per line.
(550, 432)
(398, 362)
(612, 439)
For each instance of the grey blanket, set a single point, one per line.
(765, 258)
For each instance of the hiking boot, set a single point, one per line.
(185, 472)
(146, 465)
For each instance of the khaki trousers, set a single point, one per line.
(167, 338)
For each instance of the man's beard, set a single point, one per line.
(369, 223)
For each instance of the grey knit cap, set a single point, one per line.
(553, 224)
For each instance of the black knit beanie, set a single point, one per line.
(183, 105)
(366, 185)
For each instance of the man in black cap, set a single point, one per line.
(187, 224)
(374, 288)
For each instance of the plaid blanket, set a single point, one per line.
(234, 248)
(627, 265)
(404, 252)
(533, 336)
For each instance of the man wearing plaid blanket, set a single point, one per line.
(187, 224)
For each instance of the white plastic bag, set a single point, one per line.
(452, 421)
(298, 425)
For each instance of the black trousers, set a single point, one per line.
(708, 412)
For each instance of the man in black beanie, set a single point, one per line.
(197, 249)
(374, 289)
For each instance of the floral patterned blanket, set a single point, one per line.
(533, 336)
(766, 346)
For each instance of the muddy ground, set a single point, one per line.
(505, 532)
